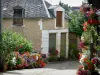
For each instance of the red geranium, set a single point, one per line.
(53, 52)
(81, 45)
(94, 60)
(56, 51)
(93, 21)
(91, 12)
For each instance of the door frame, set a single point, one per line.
(45, 40)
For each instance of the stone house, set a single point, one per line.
(45, 25)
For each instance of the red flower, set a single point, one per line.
(53, 52)
(56, 51)
(94, 60)
(90, 12)
(82, 72)
(81, 45)
(42, 63)
(79, 56)
(26, 65)
(93, 21)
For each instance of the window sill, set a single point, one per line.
(59, 27)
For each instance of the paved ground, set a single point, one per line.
(55, 68)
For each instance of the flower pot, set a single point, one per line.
(90, 66)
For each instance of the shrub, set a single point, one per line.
(73, 52)
(52, 58)
(12, 41)
(15, 41)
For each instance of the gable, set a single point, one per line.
(59, 9)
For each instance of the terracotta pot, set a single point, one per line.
(90, 66)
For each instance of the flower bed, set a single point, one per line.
(25, 60)
(15, 51)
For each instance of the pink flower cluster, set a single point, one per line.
(94, 60)
(81, 71)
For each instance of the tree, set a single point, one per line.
(75, 24)
(65, 6)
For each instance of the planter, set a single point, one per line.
(91, 67)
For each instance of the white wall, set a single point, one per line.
(45, 40)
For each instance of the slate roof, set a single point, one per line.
(33, 8)
(47, 4)
(53, 6)
(51, 9)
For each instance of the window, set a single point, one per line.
(59, 19)
(18, 16)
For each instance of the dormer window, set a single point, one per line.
(59, 19)
(18, 16)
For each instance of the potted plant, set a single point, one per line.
(53, 54)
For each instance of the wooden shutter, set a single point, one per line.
(52, 41)
(18, 17)
(63, 45)
(59, 19)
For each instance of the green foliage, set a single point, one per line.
(98, 47)
(73, 51)
(18, 61)
(3, 53)
(53, 54)
(3, 49)
(53, 51)
(52, 58)
(12, 41)
(65, 6)
(75, 24)
(86, 36)
(15, 41)
(10, 59)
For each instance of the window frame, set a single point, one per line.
(19, 18)
(61, 18)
